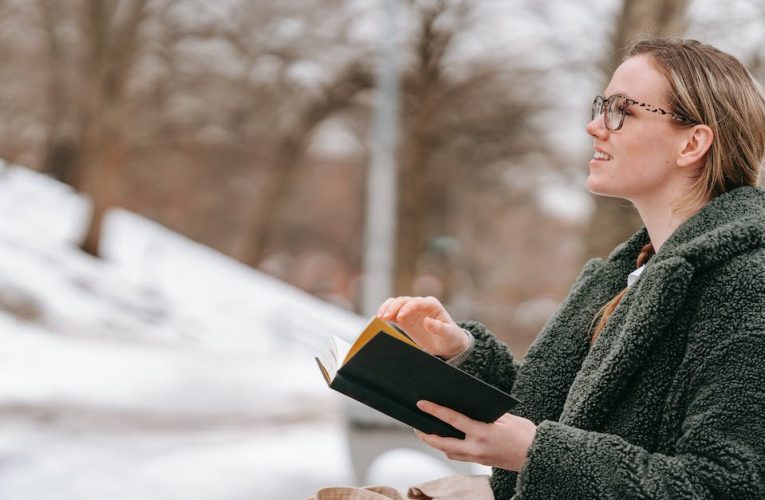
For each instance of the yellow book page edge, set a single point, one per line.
(375, 326)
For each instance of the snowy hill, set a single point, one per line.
(164, 371)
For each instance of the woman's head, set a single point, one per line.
(693, 128)
(717, 144)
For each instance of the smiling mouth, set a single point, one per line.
(599, 155)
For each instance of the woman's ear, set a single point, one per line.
(697, 143)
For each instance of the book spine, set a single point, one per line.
(414, 417)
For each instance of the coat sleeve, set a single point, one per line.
(719, 454)
(491, 360)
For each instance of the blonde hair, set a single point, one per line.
(713, 88)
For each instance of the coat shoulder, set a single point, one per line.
(728, 300)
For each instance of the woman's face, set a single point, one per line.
(639, 163)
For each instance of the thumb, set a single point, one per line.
(439, 328)
(452, 337)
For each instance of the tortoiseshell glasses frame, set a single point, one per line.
(615, 107)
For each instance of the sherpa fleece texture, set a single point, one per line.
(670, 400)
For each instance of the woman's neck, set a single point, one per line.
(661, 220)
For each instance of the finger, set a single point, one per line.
(451, 417)
(445, 444)
(383, 308)
(410, 311)
(394, 307)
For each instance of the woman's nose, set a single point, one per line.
(597, 126)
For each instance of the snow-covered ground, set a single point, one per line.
(163, 371)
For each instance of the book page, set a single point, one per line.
(331, 358)
(341, 348)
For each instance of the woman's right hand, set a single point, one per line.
(425, 320)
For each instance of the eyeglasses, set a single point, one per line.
(616, 106)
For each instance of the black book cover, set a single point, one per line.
(391, 376)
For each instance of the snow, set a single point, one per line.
(164, 371)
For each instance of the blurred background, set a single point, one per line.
(195, 194)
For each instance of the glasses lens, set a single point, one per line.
(597, 107)
(615, 112)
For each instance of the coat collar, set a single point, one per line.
(731, 224)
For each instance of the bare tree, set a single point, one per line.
(424, 84)
(456, 128)
(273, 197)
(110, 36)
(91, 50)
(254, 94)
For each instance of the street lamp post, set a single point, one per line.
(380, 220)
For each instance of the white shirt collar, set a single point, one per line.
(634, 275)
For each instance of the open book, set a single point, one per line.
(388, 371)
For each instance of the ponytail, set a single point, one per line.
(607, 310)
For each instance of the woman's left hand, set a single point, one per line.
(503, 444)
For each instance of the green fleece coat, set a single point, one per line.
(670, 400)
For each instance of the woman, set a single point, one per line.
(649, 380)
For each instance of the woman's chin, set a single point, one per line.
(597, 188)
(593, 186)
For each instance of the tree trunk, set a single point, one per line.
(111, 48)
(104, 183)
(614, 220)
(415, 216)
